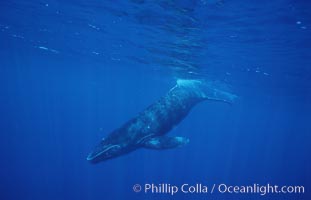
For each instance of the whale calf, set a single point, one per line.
(149, 128)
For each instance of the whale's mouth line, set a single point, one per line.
(91, 156)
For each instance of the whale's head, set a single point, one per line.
(104, 152)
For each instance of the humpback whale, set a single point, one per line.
(149, 128)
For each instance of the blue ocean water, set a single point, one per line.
(73, 71)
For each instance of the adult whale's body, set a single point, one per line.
(148, 129)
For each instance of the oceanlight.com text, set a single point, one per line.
(200, 188)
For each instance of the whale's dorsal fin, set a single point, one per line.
(165, 142)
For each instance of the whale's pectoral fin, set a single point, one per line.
(165, 142)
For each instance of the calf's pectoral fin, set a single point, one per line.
(165, 142)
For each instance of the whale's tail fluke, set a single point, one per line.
(207, 90)
(219, 95)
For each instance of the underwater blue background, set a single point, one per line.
(73, 71)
